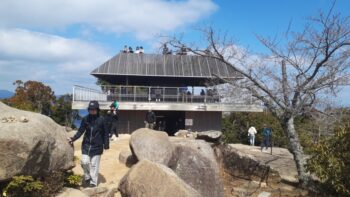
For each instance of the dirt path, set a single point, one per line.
(111, 170)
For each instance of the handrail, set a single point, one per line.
(149, 94)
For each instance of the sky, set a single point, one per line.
(59, 42)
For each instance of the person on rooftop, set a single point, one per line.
(137, 49)
(130, 50)
(165, 49)
(141, 50)
(125, 50)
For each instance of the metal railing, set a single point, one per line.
(153, 94)
(87, 94)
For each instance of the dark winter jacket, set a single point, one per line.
(95, 135)
(267, 132)
(150, 117)
(110, 119)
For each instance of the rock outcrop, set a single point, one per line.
(126, 157)
(195, 163)
(210, 136)
(152, 145)
(250, 163)
(149, 179)
(34, 146)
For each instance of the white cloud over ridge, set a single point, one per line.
(143, 18)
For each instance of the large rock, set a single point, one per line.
(34, 147)
(209, 136)
(70, 192)
(152, 145)
(195, 163)
(250, 163)
(126, 157)
(149, 179)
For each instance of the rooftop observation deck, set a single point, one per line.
(162, 70)
(162, 98)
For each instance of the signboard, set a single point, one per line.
(188, 122)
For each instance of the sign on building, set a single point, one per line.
(188, 122)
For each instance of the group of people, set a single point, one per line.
(98, 131)
(266, 134)
(139, 49)
(167, 51)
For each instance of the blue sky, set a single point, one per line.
(60, 41)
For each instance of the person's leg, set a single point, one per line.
(85, 164)
(263, 144)
(267, 142)
(95, 165)
(113, 130)
(252, 140)
(116, 129)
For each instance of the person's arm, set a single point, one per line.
(80, 131)
(105, 135)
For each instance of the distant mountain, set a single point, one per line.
(5, 94)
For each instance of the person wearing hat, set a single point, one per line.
(113, 118)
(94, 142)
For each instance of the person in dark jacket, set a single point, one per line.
(267, 133)
(150, 119)
(113, 118)
(95, 140)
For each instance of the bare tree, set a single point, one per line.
(299, 70)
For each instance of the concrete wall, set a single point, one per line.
(129, 121)
(203, 121)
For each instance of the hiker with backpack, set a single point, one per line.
(94, 142)
(267, 133)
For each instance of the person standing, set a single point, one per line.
(150, 119)
(113, 117)
(251, 134)
(267, 133)
(94, 142)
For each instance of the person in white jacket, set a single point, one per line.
(251, 134)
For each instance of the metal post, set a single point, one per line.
(134, 93)
(192, 94)
(163, 94)
(73, 97)
(120, 93)
(149, 94)
(177, 95)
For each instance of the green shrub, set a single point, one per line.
(330, 161)
(22, 186)
(235, 128)
(73, 180)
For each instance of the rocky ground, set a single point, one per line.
(34, 144)
(112, 170)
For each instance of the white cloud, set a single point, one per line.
(143, 18)
(57, 61)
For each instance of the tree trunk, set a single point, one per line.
(297, 151)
